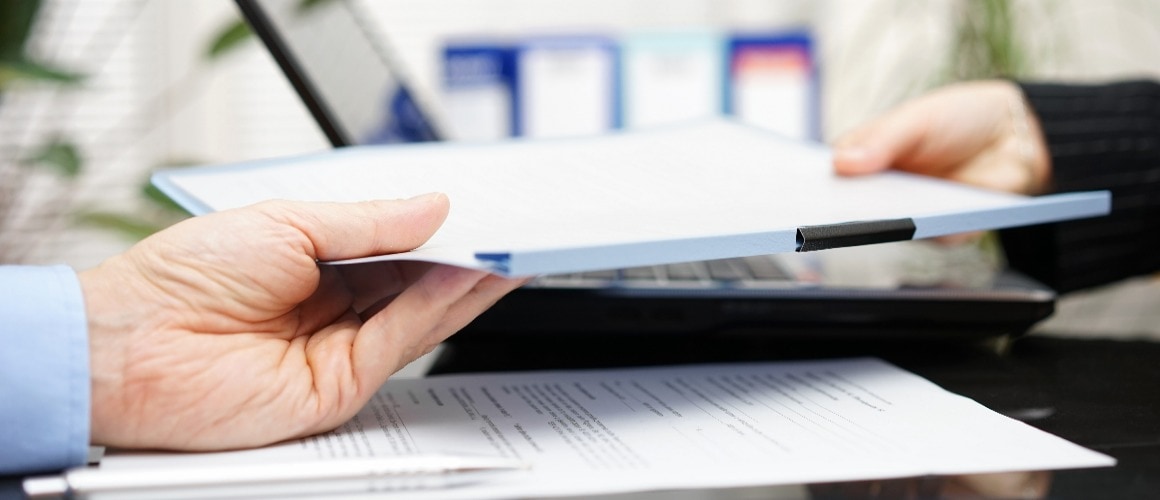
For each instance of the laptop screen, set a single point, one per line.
(344, 73)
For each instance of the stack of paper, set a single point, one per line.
(707, 426)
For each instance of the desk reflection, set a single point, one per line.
(994, 485)
(1005, 485)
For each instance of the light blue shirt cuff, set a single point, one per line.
(44, 370)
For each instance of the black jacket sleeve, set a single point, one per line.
(1100, 137)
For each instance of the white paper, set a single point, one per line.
(701, 426)
(715, 189)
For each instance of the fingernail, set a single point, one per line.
(426, 197)
(852, 154)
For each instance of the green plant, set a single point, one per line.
(16, 19)
(23, 163)
(986, 43)
(157, 213)
(160, 211)
(236, 33)
(21, 166)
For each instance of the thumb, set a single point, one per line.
(352, 230)
(880, 143)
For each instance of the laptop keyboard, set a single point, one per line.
(744, 271)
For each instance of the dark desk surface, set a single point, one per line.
(1101, 394)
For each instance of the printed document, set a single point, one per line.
(696, 426)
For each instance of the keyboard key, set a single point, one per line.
(645, 273)
(685, 271)
(765, 268)
(603, 275)
(725, 270)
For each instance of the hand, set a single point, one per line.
(223, 331)
(979, 133)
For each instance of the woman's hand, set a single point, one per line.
(979, 133)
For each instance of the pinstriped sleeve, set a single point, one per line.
(1100, 137)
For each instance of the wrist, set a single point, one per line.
(111, 316)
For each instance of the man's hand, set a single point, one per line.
(224, 331)
(979, 133)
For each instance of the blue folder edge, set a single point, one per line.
(164, 183)
(1037, 210)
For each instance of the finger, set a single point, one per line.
(331, 300)
(395, 334)
(352, 230)
(371, 368)
(481, 297)
(882, 142)
(485, 294)
(371, 282)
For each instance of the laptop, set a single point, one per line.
(355, 90)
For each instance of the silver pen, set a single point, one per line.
(354, 475)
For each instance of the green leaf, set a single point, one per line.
(60, 155)
(23, 69)
(16, 18)
(306, 5)
(128, 226)
(228, 39)
(234, 34)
